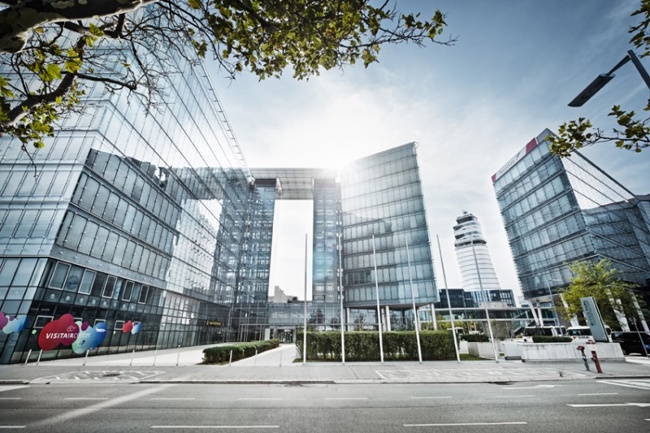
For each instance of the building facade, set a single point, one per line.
(473, 255)
(135, 229)
(561, 210)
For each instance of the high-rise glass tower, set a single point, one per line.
(384, 224)
(473, 255)
(561, 210)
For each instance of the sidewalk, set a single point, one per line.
(278, 366)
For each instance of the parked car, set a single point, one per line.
(631, 343)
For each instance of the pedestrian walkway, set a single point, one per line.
(279, 366)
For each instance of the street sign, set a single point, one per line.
(594, 319)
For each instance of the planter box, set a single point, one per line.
(512, 350)
(483, 350)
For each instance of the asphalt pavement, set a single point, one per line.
(284, 365)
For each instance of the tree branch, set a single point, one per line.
(17, 21)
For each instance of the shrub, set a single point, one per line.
(475, 338)
(364, 346)
(551, 339)
(221, 354)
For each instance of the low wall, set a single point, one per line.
(552, 352)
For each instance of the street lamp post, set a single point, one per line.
(601, 80)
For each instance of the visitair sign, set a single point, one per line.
(594, 319)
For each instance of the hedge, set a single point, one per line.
(551, 339)
(475, 338)
(364, 346)
(221, 354)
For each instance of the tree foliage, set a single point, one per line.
(600, 280)
(50, 52)
(632, 131)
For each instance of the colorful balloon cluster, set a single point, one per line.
(12, 324)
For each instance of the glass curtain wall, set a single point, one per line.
(557, 211)
(382, 197)
(123, 219)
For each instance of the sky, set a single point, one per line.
(470, 107)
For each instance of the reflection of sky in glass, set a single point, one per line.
(593, 188)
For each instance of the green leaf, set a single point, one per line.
(194, 4)
(54, 71)
(94, 30)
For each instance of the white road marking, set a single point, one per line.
(532, 387)
(12, 387)
(346, 398)
(173, 398)
(510, 396)
(467, 424)
(259, 398)
(10, 398)
(610, 405)
(86, 398)
(9, 427)
(213, 426)
(430, 397)
(601, 393)
(637, 384)
(72, 414)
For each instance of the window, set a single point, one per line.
(119, 325)
(58, 276)
(74, 279)
(143, 295)
(42, 321)
(109, 287)
(86, 282)
(128, 289)
(86, 242)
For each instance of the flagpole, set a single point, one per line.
(451, 314)
(415, 311)
(304, 340)
(341, 299)
(381, 344)
(487, 313)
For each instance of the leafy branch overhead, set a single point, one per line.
(632, 132)
(52, 52)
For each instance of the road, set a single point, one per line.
(568, 406)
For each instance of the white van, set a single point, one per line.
(582, 334)
(530, 332)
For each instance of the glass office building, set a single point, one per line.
(561, 210)
(149, 228)
(385, 228)
(126, 216)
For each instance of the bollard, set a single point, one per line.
(584, 357)
(178, 356)
(132, 355)
(28, 355)
(38, 361)
(154, 357)
(86, 358)
(230, 361)
(594, 357)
